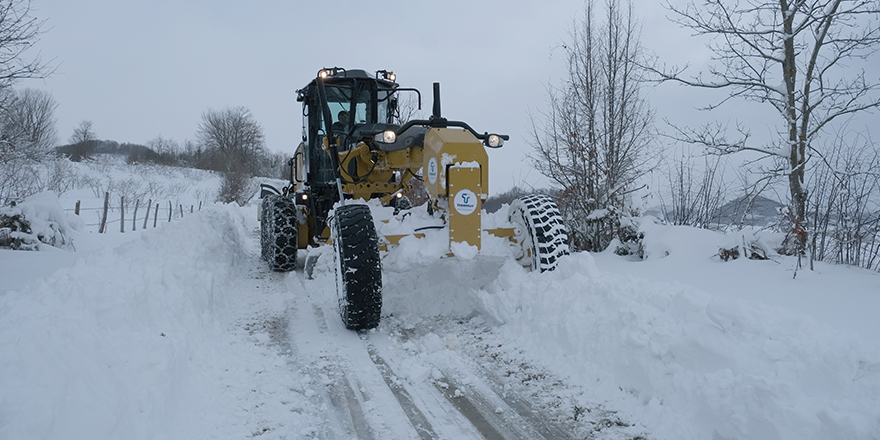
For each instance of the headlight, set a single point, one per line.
(386, 137)
(494, 141)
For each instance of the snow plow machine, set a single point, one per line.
(355, 147)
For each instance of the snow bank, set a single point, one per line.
(48, 223)
(108, 347)
(696, 365)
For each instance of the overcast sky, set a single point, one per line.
(139, 69)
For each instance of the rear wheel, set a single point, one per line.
(278, 233)
(542, 232)
(358, 266)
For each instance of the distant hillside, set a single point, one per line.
(763, 212)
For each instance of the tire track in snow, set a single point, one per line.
(486, 422)
(423, 410)
(341, 392)
(496, 378)
(490, 405)
(354, 388)
(452, 404)
(496, 415)
(415, 415)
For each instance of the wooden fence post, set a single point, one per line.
(170, 211)
(103, 227)
(147, 213)
(200, 205)
(181, 210)
(134, 217)
(156, 215)
(121, 213)
(191, 209)
(77, 207)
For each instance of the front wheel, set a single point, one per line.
(358, 266)
(542, 232)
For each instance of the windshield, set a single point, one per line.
(351, 104)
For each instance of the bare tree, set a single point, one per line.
(27, 134)
(167, 150)
(27, 122)
(594, 136)
(83, 141)
(845, 204)
(19, 32)
(162, 145)
(694, 197)
(794, 55)
(233, 137)
(234, 142)
(83, 133)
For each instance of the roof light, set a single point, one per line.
(328, 72)
(385, 74)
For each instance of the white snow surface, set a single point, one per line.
(46, 219)
(179, 332)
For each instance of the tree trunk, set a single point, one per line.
(797, 146)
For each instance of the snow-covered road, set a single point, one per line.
(182, 332)
(428, 372)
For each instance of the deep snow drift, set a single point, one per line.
(163, 334)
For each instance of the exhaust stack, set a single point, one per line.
(437, 100)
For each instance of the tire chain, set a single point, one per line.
(281, 235)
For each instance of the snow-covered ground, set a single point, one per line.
(180, 332)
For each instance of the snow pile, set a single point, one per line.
(662, 240)
(697, 365)
(38, 219)
(109, 348)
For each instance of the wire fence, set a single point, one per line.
(140, 216)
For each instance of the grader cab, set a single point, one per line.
(354, 147)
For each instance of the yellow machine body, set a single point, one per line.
(453, 165)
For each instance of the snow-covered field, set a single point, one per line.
(179, 332)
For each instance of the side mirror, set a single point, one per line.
(392, 108)
(295, 164)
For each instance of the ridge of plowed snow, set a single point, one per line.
(129, 342)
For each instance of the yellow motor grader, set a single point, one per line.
(353, 149)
